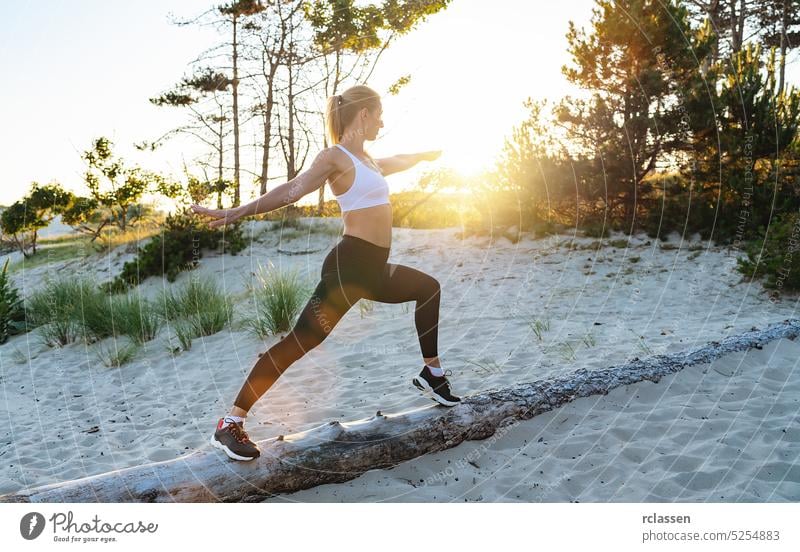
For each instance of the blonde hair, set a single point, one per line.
(343, 108)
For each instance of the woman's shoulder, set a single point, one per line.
(333, 157)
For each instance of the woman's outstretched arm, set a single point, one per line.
(404, 161)
(285, 194)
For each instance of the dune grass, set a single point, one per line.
(538, 326)
(101, 315)
(196, 308)
(137, 317)
(567, 351)
(70, 308)
(54, 253)
(365, 307)
(95, 312)
(641, 344)
(117, 353)
(275, 301)
(19, 357)
(53, 309)
(486, 367)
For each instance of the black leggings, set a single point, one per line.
(353, 269)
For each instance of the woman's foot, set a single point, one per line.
(436, 387)
(233, 440)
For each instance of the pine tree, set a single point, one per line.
(12, 315)
(637, 57)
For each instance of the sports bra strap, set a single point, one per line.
(369, 187)
(344, 149)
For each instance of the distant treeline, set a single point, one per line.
(684, 126)
(685, 123)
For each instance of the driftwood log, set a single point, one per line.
(338, 452)
(304, 252)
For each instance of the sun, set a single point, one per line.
(465, 159)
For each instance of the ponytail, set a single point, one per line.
(343, 108)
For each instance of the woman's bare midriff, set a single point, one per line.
(373, 224)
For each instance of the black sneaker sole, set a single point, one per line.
(229, 452)
(428, 391)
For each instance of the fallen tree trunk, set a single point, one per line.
(304, 252)
(336, 452)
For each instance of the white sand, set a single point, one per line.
(626, 446)
(721, 432)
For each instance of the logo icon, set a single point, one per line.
(31, 525)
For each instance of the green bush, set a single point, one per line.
(778, 263)
(177, 248)
(541, 228)
(12, 313)
(675, 205)
(596, 229)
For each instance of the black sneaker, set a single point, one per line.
(436, 387)
(233, 440)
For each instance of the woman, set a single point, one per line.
(355, 268)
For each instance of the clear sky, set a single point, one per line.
(86, 68)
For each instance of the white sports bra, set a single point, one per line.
(369, 187)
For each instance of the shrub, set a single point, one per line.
(596, 230)
(12, 314)
(779, 262)
(541, 228)
(177, 248)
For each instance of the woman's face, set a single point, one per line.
(373, 122)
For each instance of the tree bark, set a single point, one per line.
(235, 83)
(336, 452)
(783, 48)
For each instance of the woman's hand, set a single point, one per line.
(222, 216)
(431, 155)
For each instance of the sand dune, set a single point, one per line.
(727, 431)
(66, 415)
